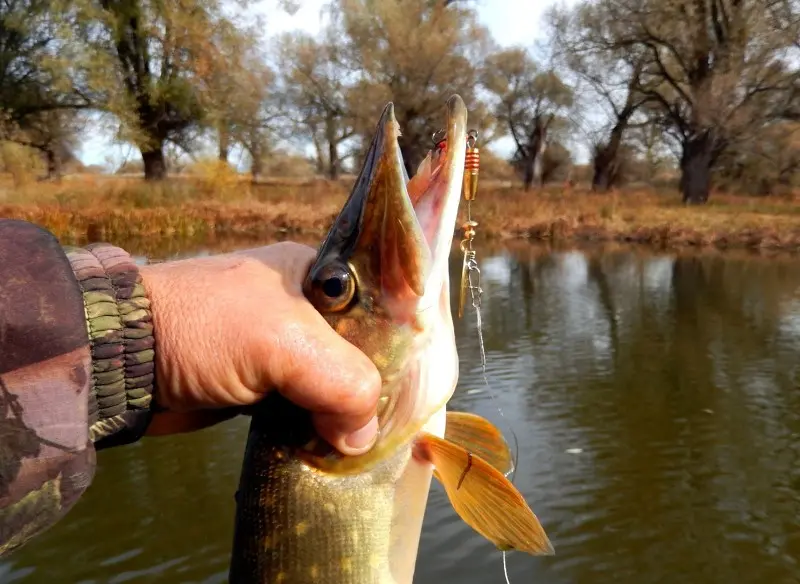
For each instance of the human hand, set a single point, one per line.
(231, 327)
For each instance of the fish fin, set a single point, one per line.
(480, 437)
(484, 498)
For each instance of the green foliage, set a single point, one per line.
(166, 69)
(38, 67)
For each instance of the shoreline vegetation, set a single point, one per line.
(83, 208)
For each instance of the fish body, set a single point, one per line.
(301, 525)
(308, 514)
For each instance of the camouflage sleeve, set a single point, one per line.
(76, 371)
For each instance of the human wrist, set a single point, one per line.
(120, 329)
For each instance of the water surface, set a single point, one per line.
(653, 397)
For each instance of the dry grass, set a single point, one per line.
(89, 207)
(111, 208)
(642, 216)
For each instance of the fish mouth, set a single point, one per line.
(409, 223)
(383, 264)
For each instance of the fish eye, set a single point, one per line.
(333, 288)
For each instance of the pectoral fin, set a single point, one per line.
(480, 437)
(484, 498)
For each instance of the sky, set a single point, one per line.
(512, 22)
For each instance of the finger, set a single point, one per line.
(322, 372)
(330, 427)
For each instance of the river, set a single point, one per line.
(654, 399)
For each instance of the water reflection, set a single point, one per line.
(654, 402)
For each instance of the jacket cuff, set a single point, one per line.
(120, 328)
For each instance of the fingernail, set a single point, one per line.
(363, 438)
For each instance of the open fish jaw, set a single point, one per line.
(394, 238)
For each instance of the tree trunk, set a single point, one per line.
(533, 154)
(333, 160)
(320, 159)
(224, 145)
(256, 165)
(155, 167)
(539, 148)
(53, 164)
(527, 172)
(331, 135)
(606, 165)
(604, 171)
(695, 182)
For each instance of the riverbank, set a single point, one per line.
(110, 208)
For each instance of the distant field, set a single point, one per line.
(94, 207)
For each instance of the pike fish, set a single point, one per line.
(306, 514)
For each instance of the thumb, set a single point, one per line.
(329, 376)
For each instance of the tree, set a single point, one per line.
(581, 41)
(527, 101)
(556, 163)
(39, 70)
(716, 70)
(221, 75)
(260, 118)
(645, 156)
(415, 53)
(239, 86)
(767, 162)
(154, 62)
(318, 88)
(54, 133)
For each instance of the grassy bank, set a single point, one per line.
(96, 207)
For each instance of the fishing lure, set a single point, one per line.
(469, 191)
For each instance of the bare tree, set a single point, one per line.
(767, 162)
(584, 44)
(716, 70)
(527, 101)
(318, 86)
(245, 106)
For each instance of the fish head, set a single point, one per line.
(381, 280)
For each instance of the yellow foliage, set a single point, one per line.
(216, 178)
(287, 165)
(24, 164)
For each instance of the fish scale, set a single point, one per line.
(331, 528)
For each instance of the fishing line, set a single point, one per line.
(469, 270)
(471, 279)
(476, 291)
